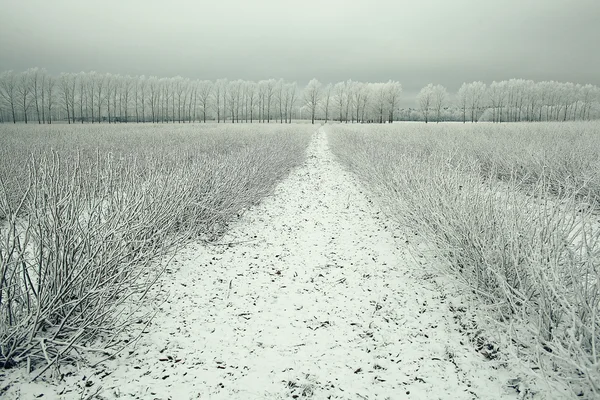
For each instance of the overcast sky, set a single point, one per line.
(413, 41)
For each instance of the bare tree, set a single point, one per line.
(42, 91)
(290, 100)
(312, 97)
(477, 92)
(82, 94)
(279, 98)
(224, 87)
(425, 101)
(67, 83)
(349, 94)
(269, 93)
(234, 94)
(193, 101)
(205, 90)
(178, 90)
(340, 97)
(440, 94)
(532, 99)
(497, 94)
(251, 95)
(108, 88)
(153, 97)
(261, 100)
(8, 91)
(393, 91)
(364, 101)
(50, 83)
(381, 100)
(91, 89)
(24, 92)
(99, 83)
(462, 100)
(327, 100)
(567, 91)
(117, 81)
(588, 94)
(127, 86)
(216, 93)
(137, 93)
(358, 93)
(37, 90)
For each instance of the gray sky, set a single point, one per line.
(415, 42)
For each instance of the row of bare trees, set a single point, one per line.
(513, 100)
(93, 97)
(351, 101)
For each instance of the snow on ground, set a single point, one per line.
(314, 297)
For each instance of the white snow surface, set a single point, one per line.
(315, 296)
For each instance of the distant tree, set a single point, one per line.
(261, 100)
(115, 94)
(477, 91)
(99, 83)
(251, 94)
(280, 98)
(340, 98)
(380, 104)
(24, 89)
(81, 84)
(567, 94)
(234, 95)
(425, 100)
(440, 94)
(238, 100)
(153, 97)
(193, 103)
(178, 85)
(588, 93)
(67, 85)
(108, 88)
(224, 86)
(348, 96)
(8, 91)
(531, 100)
(204, 92)
(364, 101)
(326, 100)
(269, 95)
(50, 83)
(360, 93)
(393, 91)
(290, 99)
(127, 88)
(89, 81)
(497, 94)
(312, 97)
(42, 93)
(37, 88)
(462, 100)
(216, 93)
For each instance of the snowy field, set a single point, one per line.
(317, 290)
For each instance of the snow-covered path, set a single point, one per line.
(316, 298)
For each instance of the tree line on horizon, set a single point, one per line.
(92, 97)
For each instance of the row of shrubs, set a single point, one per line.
(89, 214)
(508, 209)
